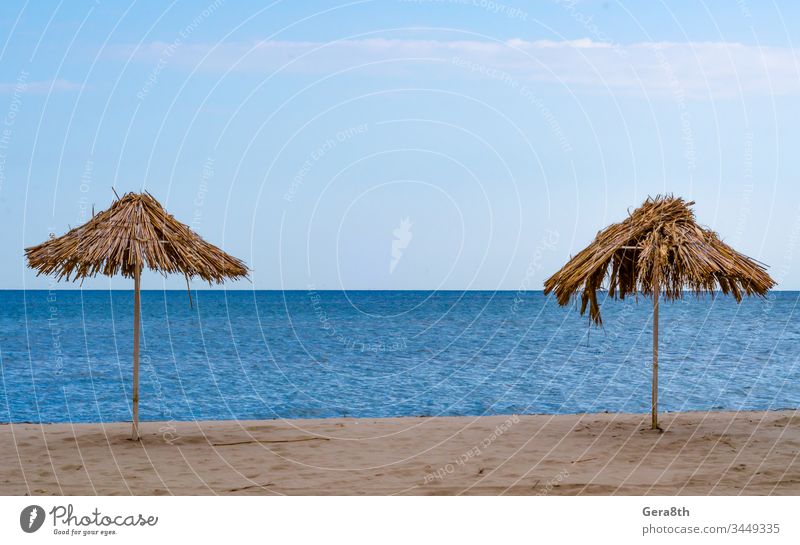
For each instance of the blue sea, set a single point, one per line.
(65, 355)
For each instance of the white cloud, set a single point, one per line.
(690, 69)
(38, 87)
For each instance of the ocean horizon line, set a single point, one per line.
(340, 290)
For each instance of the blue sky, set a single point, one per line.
(464, 144)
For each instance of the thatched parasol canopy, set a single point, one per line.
(134, 233)
(659, 249)
(658, 243)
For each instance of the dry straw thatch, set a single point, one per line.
(658, 244)
(134, 233)
(659, 250)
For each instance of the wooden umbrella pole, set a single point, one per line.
(136, 322)
(656, 289)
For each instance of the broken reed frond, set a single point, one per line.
(134, 233)
(662, 237)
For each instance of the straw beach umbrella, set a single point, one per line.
(659, 250)
(135, 232)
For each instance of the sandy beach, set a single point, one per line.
(755, 453)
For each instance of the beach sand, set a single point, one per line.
(698, 453)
